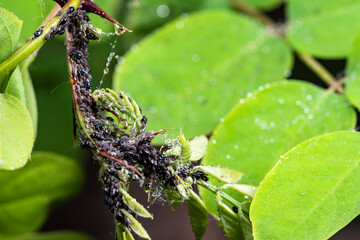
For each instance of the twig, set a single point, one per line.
(311, 62)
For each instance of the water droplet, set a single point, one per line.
(249, 94)
(179, 24)
(195, 58)
(241, 100)
(303, 193)
(282, 157)
(309, 97)
(163, 11)
(222, 119)
(272, 124)
(213, 141)
(134, 48)
(228, 156)
(236, 147)
(260, 88)
(246, 197)
(298, 103)
(310, 116)
(267, 85)
(11, 168)
(287, 73)
(281, 101)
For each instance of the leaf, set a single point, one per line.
(16, 133)
(268, 123)
(15, 86)
(248, 190)
(198, 147)
(198, 214)
(31, 12)
(264, 4)
(58, 235)
(136, 226)
(229, 221)
(27, 193)
(10, 27)
(174, 199)
(134, 205)
(30, 97)
(314, 187)
(221, 174)
(203, 67)
(310, 23)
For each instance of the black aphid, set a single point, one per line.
(37, 33)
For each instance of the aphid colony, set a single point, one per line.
(111, 125)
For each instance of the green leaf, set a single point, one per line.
(314, 186)
(136, 226)
(10, 27)
(16, 133)
(268, 123)
(229, 220)
(263, 4)
(15, 86)
(134, 205)
(221, 174)
(198, 147)
(58, 235)
(198, 214)
(27, 193)
(33, 13)
(315, 27)
(30, 97)
(174, 199)
(189, 96)
(248, 190)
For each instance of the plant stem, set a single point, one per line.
(307, 59)
(9, 64)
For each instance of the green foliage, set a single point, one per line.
(27, 193)
(322, 177)
(192, 98)
(198, 215)
(269, 122)
(16, 133)
(310, 21)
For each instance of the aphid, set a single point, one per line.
(119, 216)
(71, 9)
(87, 84)
(78, 55)
(86, 17)
(63, 20)
(235, 209)
(60, 31)
(37, 33)
(198, 175)
(59, 13)
(81, 71)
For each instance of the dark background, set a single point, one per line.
(87, 212)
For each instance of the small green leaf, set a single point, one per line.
(134, 205)
(246, 226)
(185, 147)
(268, 123)
(314, 186)
(229, 220)
(136, 226)
(15, 86)
(10, 27)
(128, 235)
(123, 233)
(16, 133)
(198, 214)
(58, 235)
(27, 193)
(308, 29)
(241, 59)
(174, 199)
(248, 190)
(198, 147)
(221, 174)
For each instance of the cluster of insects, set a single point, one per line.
(112, 126)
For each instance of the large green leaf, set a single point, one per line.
(314, 186)
(10, 27)
(16, 133)
(315, 26)
(197, 69)
(27, 193)
(61, 235)
(353, 75)
(268, 123)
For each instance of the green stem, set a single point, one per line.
(308, 60)
(26, 50)
(215, 190)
